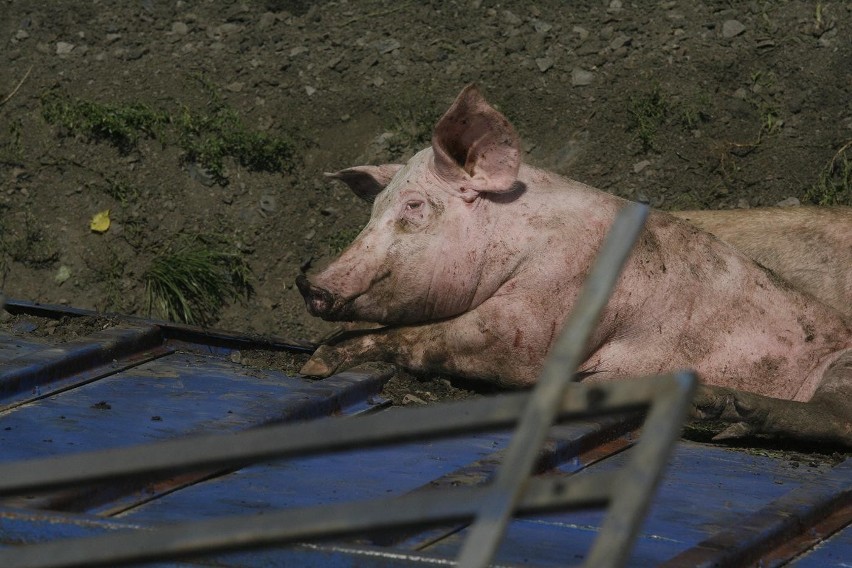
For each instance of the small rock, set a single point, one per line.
(309, 236)
(743, 204)
(581, 77)
(136, 53)
(411, 399)
(639, 166)
(5, 316)
(234, 87)
(21, 34)
(266, 20)
(63, 274)
(235, 356)
(544, 63)
(581, 31)
(619, 41)
(112, 38)
(511, 18)
(541, 27)
(268, 203)
(64, 48)
(180, 28)
(789, 202)
(310, 90)
(732, 28)
(386, 45)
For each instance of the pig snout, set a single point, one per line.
(319, 301)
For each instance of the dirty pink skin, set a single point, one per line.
(810, 247)
(473, 261)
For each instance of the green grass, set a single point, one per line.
(206, 137)
(834, 186)
(119, 124)
(646, 113)
(191, 282)
(120, 190)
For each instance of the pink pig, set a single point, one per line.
(473, 260)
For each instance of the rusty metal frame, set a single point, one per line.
(628, 491)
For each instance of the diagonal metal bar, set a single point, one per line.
(543, 404)
(638, 481)
(314, 437)
(281, 527)
(668, 397)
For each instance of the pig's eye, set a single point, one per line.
(413, 215)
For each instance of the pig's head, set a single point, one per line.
(427, 250)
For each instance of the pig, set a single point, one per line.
(471, 262)
(809, 247)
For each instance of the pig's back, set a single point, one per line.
(687, 299)
(809, 247)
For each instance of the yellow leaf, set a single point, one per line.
(100, 222)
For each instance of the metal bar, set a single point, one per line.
(555, 452)
(638, 480)
(792, 514)
(172, 330)
(318, 436)
(115, 366)
(543, 404)
(329, 521)
(56, 362)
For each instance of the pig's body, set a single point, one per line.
(809, 247)
(474, 262)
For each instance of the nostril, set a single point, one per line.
(303, 285)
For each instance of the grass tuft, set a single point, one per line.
(206, 137)
(834, 186)
(646, 113)
(192, 282)
(120, 125)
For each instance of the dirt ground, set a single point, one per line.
(683, 104)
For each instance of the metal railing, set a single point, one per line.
(488, 507)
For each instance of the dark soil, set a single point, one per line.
(681, 104)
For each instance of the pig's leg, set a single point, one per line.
(827, 417)
(464, 346)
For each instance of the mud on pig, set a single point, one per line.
(472, 261)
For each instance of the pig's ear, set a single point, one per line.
(475, 147)
(367, 181)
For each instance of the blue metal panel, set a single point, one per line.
(706, 489)
(197, 389)
(174, 396)
(334, 478)
(836, 552)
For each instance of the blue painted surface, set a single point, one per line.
(13, 346)
(706, 489)
(331, 478)
(198, 390)
(836, 552)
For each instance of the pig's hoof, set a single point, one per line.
(734, 431)
(314, 368)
